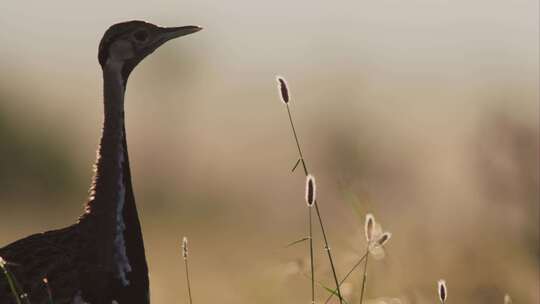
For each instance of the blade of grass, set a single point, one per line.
(328, 289)
(297, 241)
(347, 276)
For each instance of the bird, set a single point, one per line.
(100, 259)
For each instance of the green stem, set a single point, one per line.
(306, 172)
(187, 279)
(311, 258)
(364, 279)
(11, 283)
(347, 276)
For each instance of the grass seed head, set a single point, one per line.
(384, 238)
(368, 228)
(2, 262)
(283, 89)
(443, 291)
(311, 190)
(185, 247)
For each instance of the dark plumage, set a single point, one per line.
(101, 258)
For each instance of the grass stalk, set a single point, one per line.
(48, 288)
(185, 256)
(311, 257)
(188, 283)
(11, 281)
(347, 276)
(364, 276)
(306, 172)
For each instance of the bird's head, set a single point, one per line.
(128, 43)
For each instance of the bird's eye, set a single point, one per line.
(141, 36)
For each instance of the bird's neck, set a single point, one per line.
(114, 88)
(111, 194)
(108, 185)
(111, 215)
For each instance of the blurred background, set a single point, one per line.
(424, 113)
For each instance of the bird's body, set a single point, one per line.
(101, 258)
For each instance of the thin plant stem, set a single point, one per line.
(347, 276)
(306, 172)
(297, 241)
(297, 141)
(187, 279)
(364, 278)
(48, 288)
(49, 294)
(11, 283)
(311, 257)
(22, 295)
(328, 251)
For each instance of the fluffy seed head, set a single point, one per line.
(443, 292)
(184, 247)
(2, 262)
(311, 190)
(368, 228)
(507, 299)
(384, 238)
(283, 89)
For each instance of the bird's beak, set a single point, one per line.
(168, 33)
